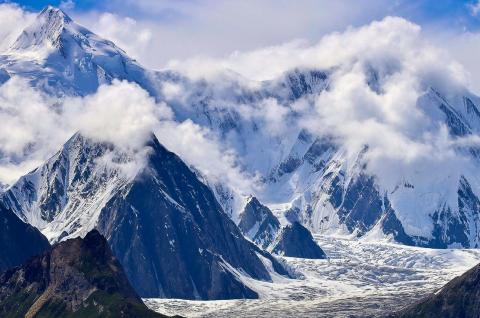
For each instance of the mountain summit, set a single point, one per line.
(47, 29)
(62, 57)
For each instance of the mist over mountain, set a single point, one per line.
(206, 179)
(316, 139)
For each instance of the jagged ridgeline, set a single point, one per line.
(165, 226)
(326, 189)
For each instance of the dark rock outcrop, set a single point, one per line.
(258, 223)
(460, 298)
(18, 240)
(76, 278)
(296, 241)
(173, 238)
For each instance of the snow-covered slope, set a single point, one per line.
(63, 197)
(163, 224)
(300, 173)
(63, 58)
(321, 183)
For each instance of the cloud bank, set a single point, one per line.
(13, 20)
(377, 75)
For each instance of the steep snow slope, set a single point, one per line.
(63, 197)
(165, 226)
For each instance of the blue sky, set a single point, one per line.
(157, 31)
(452, 13)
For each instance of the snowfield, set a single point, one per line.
(359, 279)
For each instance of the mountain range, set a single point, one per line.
(175, 234)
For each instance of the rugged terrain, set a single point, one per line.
(76, 278)
(359, 279)
(163, 224)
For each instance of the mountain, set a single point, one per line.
(76, 278)
(458, 298)
(164, 226)
(63, 58)
(19, 241)
(329, 191)
(258, 223)
(313, 178)
(296, 241)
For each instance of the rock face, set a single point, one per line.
(164, 226)
(296, 241)
(458, 298)
(76, 278)
(18, 240)
(258, 223)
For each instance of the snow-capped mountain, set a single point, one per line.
(63, 58)
(164, 225)
(307, 176)
(319, 183)
(258, 223)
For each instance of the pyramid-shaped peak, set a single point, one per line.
(46, 29)
(53, 13)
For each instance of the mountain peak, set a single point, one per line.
(53, 13)
(46, 29)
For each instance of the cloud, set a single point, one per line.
(474, 8)
(67, 5)
(13, 20)
(35, 126)
(130, 35)
(121, 113)
(230, 130)
(185, 29)
(379, 75)
(200, 148)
